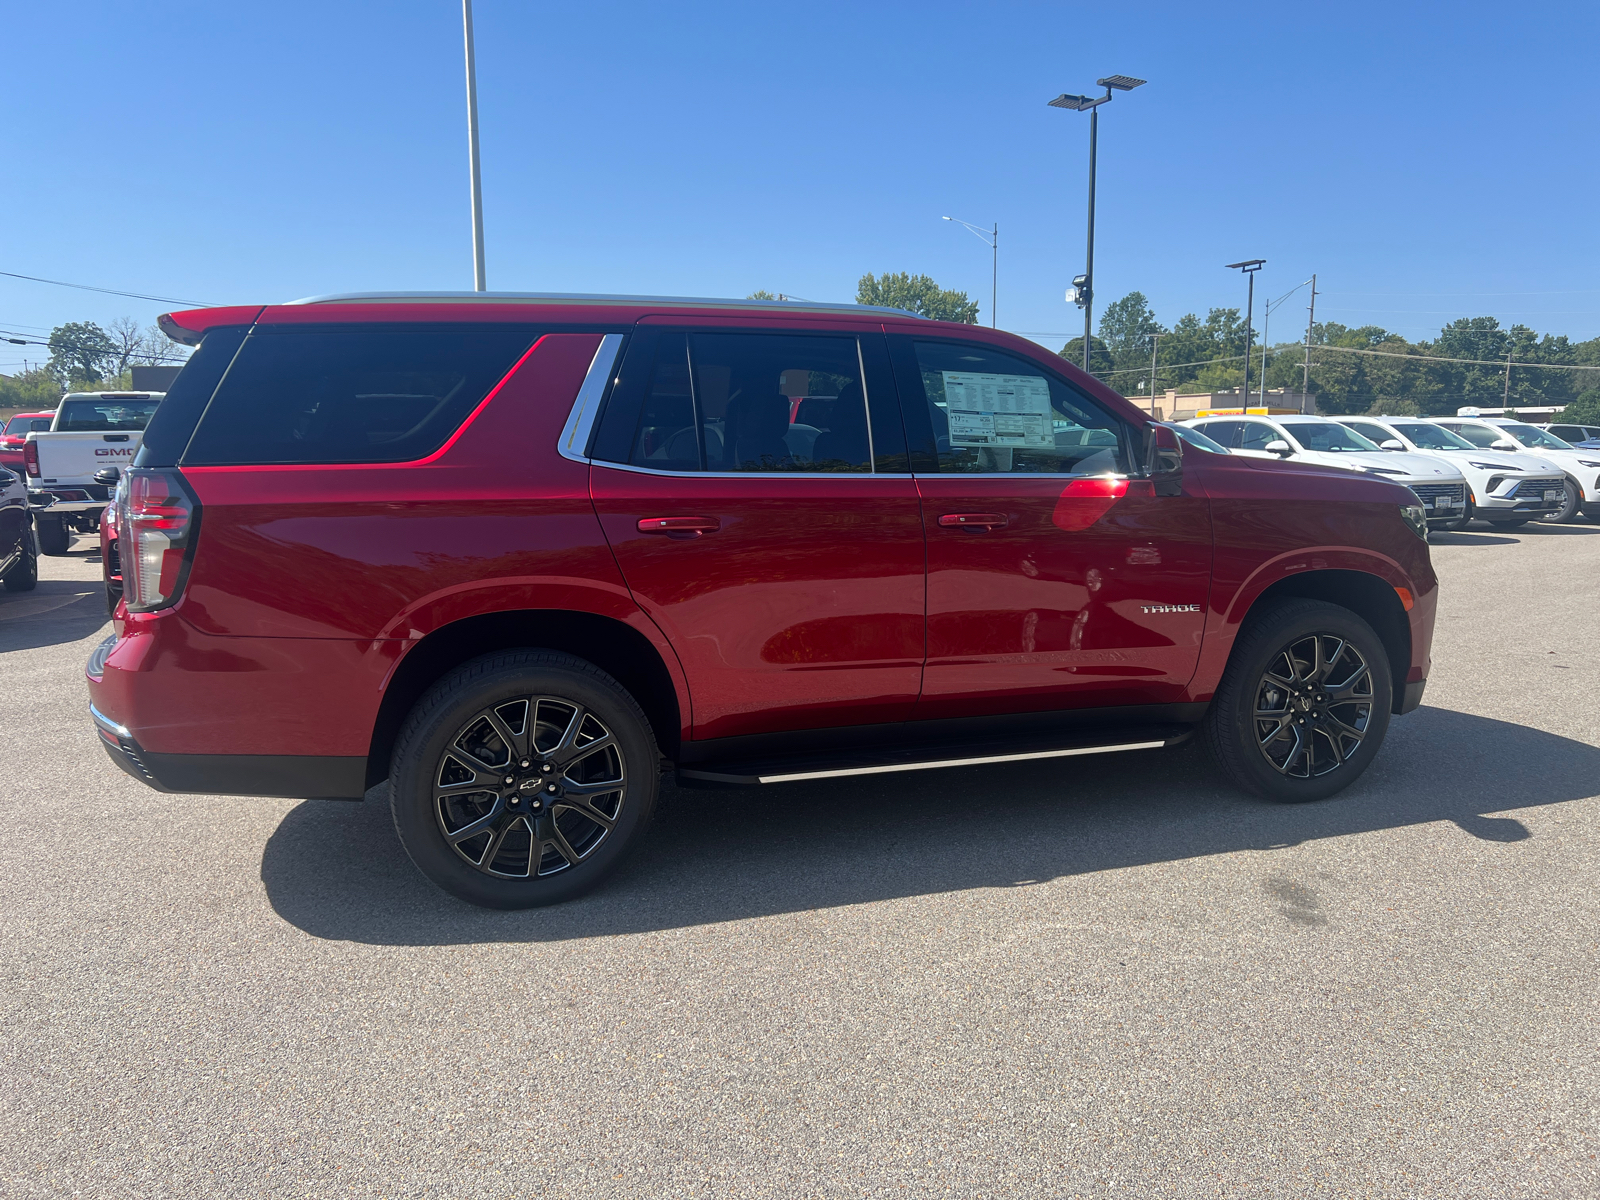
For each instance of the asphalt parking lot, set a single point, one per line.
(1082, 978)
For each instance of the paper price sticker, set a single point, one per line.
(998, 410)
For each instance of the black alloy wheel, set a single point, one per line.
(520, 779)
(24, 573)
(1571, 504)
(1304, 704)
(1313, 706)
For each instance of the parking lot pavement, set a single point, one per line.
(1093, 977)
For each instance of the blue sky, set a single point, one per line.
(1427, 161)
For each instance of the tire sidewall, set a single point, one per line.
(24, 573)
(1233, 732)
(439, 716)
(1571, 504)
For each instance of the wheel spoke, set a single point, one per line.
(476, 765)
(498, 841)
(585, 806)
(559, 841)
(1327, 664)
(473, 828)
(516, 747)
(1345, 693)
(1283, 720)
(1302, 748)
(584, 751)
(562, 751)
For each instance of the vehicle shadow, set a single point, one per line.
(55, 612)
(1466, 537)
(337, 870)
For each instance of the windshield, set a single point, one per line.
(1434, 437)
(103, 416)
(1195, 438)
(1480, 435)
(1328, 436)
(1530, 435)
(19, 426)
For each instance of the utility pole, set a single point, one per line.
(1505, 400)
(1311, 316)
(994, 280)
(1155, 342)
(478, 284)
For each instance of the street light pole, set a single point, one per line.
(1249, 267)
(993, 242)
(1084, 294)
(478, 283)
(1155, 343)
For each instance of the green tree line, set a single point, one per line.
(86, 357)
(1207, 355)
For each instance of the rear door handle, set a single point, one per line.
(680, 527)
(977, 522)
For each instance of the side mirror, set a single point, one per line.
(1163, 460)
(1278, 446)
(1505, 444)
(1391, 444)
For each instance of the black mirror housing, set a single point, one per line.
(1163, 459)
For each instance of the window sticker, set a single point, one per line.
(998, 410)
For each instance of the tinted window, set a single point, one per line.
(104, 415)
(733, 402)
(1529, 436)
(327, 396)
(18, 426)
(993, 413)
(1478, 435)
(1433, 437)
(1376, 434)
(1253, 435)
(1225, 433)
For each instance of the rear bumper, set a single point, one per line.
(310, 777)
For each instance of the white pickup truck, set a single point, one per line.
(91, 432)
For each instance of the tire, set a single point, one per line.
(1460, 522)
(1513, 523)
(53, 536)
(1571, 503)
(580, 836)
(24, 573)
(1235, 734)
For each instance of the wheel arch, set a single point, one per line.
(1371, 598)
(612, 645)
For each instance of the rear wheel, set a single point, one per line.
(1571, 502)
(1303, 706)
(24, 573)
(54, 538)
(522, 779)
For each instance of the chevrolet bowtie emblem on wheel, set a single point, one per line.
(1170, 608)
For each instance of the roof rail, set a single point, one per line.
(598, 298)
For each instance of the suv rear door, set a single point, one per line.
(1055, 580)
(754, 486)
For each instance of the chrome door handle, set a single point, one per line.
(977, 522)
(681, 528)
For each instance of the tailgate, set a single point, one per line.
(75, 457)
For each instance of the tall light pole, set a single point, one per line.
(991, 239)
(1082, 292)
(1155, 344)
(478, 284)
(1249, 267)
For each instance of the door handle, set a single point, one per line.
(977, 522)
(680, 528)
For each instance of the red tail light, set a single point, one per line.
(158, 519)
(30, 458)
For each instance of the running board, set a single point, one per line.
(915, 758)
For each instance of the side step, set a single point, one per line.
(924, 757)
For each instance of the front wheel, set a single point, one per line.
(1571, 503)
(24, 573)
(522, 778)
(1303, 706)
(1460, 522)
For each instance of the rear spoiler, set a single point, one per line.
(190, 326)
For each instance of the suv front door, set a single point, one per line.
(754, 488)
(1056, 579)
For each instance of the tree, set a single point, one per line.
(763, 294)
(1100, 361)
(1585, 410)
(918, 294)
(81, 352)
(30, 391)
(128, 341)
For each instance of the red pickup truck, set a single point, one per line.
(515, 554)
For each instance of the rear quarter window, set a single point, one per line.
(350, 395)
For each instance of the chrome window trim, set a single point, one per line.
(616, 466)
(575, 434)
(601, 298)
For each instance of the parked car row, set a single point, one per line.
(1500, 471)
(66, 464)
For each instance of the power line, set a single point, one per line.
(1472, 362)
(84, 287)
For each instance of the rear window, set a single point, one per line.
(104, 416)
(350, 396)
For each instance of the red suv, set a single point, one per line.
(514, 554)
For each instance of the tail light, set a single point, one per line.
(158, 519)
(30, 458)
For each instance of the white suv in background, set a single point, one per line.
(1503, 489)
(1439, 484)
(1581, 467)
